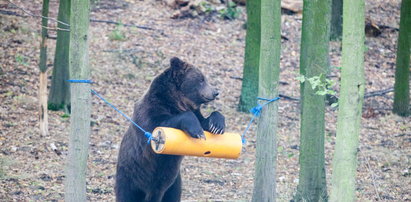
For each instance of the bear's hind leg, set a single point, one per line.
(124, 193)
(173, 194)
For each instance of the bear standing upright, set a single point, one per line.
(173, 100)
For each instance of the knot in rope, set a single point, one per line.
(256, 111)
(149, 136)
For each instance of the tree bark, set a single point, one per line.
(402, 71)
(266, 152)
(43, 114)
(313, 62)
(251, 58)
(75, 184)
(336, 20)
(350, 103)
(59, 97)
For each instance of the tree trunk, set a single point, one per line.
(59, 97)
(350, 103)
(314, 62)
(266, 154)
(43, 114)
(336, 20)
(75, 184)
(402, 71)
(251, 58)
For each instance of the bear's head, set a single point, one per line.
(191, 83)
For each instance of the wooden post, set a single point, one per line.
(270, 49)
(75, 184)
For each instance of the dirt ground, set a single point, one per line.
(123, 69)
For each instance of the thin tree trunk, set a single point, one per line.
(402, 71)
(350, 102)
(59, 97)
(252, 56)
(43, 114)
(336, 20)
(314, 62)
(75, 184)
(270, 49)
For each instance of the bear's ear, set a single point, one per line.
(177, 64)
(178, 69)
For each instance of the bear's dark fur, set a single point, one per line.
(173, 100)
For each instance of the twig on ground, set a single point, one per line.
(288, 97)
(118, 23)
(54, 148)
(236, 77)
(52, 37)
(132, 50)
(6, 12)
(368, 166)
(378, 92)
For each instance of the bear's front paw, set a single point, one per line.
(195, 131)
(216, 123)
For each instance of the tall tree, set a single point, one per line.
(75, 184)
(252, 57)
(270, 49)
(313, 63)
(336, 20)
(402, 71)
(59, 97)
(43, 114)
(350, 102)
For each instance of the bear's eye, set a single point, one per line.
(202, 80)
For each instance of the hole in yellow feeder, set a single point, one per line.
(207, 153)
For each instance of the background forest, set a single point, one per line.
(132, 41)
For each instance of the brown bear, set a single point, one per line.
(173, 100)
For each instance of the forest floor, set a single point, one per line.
(31, 171)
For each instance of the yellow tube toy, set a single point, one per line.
(177, 142)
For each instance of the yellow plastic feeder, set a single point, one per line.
(177, 142)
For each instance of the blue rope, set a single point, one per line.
(256, 111)
(147, 134)
(79, 81)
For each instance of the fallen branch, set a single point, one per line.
(125, 25)
(133, 50)
(288, 97)
(6, 12)
(378, 93)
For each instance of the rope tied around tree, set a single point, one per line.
(256, 111)
(148, 135)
